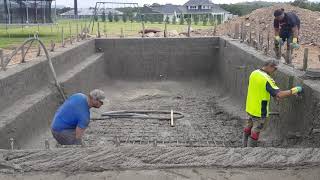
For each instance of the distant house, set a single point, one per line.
(25, 12)
(189, 9)
(89, 12)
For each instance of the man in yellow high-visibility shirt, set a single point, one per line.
(261, 88)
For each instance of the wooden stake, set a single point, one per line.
(122, 34)
(39, 50)
(236, 31)
(242, 31)
(165, 30)
(2, 59)
(22, 55)
(268, 45)
(250, 36)
(70, 33)
(288, 57)
(305, 59)
(52, 46)
(105, 29)
(99, 35)
(189, 27)
(143, 29)
(62, 32)
(77, 32)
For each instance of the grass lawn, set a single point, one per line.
(14, 35)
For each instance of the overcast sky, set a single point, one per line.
(88, 3)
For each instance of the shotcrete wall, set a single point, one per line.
(168, 58)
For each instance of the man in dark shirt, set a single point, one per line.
(286, 27)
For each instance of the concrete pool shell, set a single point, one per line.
(205, 78)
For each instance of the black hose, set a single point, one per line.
(139, 114)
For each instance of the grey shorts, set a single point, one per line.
(66, 137)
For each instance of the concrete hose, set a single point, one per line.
(139, 114)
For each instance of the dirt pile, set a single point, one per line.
(260, 21)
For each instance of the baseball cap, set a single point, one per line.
(97, 94)
(271, 62)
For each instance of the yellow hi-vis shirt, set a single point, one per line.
(258, 98)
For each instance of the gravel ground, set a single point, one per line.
(204, 124)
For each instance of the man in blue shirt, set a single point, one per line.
(286, 28)
(73, 117)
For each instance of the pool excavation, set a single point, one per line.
(170, 103)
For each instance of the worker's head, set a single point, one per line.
(270, 66)
(96, 98)
(279, 14)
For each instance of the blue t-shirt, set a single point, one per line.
(74, 112)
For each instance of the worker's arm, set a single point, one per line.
(283, 94)
(295, 31)
(287, 93)
(276, 26)
(79, 133)
(276, 32)
(276, 92)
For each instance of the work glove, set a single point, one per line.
(294, 43)
(296, 90)
(278, 40)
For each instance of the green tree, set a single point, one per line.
(116, 17)
(181, 19)
(189, 20)
(124, 18)
(313, 6)
(159, 18)
(96, 18)
(196, 19)
(167, 20)
(110, 17)
(205, 20)
(103, 16)
(174, 20)
(211, 19)
(130, 16)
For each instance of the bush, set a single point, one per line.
(174, 20)
(167, 20)
(181, 20)
(110, 17)
(124, 18)
(205, 20)
(103, 17)
(116, 18)
(196, 19)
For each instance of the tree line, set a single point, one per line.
(313, 6)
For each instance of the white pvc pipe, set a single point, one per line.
(172, 124)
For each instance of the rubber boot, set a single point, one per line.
(252, 142)
(245, 137)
